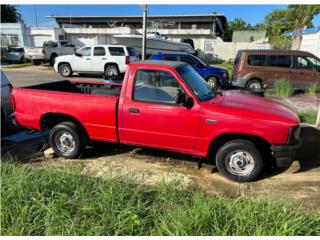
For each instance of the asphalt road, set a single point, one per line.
(32, 75)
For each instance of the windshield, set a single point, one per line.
(198, 85)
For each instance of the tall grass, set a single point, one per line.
(313, 89)
(308, 117)
(54, 202)
(283, 88)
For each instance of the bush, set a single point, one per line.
(283, 88)
(53, 201)
(308, 117)
(313, 89)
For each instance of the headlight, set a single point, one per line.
(294, 134)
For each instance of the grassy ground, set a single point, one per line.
(226, 65)
(21, 65)
(308, 117)
(55, 202)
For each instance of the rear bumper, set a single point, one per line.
(284, 154)
(239, 82)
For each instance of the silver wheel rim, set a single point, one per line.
(65, 71)
(255, 86)
(112, 72)
(65, 142)
(240, 163)
(212, 82)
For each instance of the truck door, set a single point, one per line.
(151, 117)
(99, 59)
(82, 60)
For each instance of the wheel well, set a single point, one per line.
(49, 120)
(263, 145)
(111, 64)
(63, 63)
(53, 55)
(254, 78)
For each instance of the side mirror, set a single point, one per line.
(189, 102)
(78, 54)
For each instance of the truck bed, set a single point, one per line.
(79, 87)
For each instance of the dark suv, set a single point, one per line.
(258, 69)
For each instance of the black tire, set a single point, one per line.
(67, 140)
(65, 70)
(111, 70)
(36, 62)
(254, 85)
(213, 82)
(239, 151)
(53, 59)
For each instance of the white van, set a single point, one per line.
(110, 60)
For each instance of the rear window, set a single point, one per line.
(15, 50)
(257, 60)
(131, 52)
(116, 51)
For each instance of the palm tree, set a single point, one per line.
(10, 14)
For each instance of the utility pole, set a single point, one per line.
(35, 15)
(144, 8)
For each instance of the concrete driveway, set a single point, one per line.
(300, 183)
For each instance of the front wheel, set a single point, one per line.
(65, 70)
(67, 140)
(213, 82)
(239, 160)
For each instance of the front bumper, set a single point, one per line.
(238, 82)
(284, 154)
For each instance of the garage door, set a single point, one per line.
(39, 39)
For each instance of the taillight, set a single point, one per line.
(240, 65)
(13, 102)
(127, 60)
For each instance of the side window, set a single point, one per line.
(170, 58)
(99, 51)
(257, 60)
(116, 51)
(303, 62)
(271, 61)
(191, 61)
(284, 61)
(155, 86)
(86, 51)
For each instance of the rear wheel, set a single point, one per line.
(254, 85)
(67, 140)
(65, 70)
(111, 70)
(213, 82)
(239, 160)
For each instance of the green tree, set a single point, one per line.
(239, 24)
(10, 14)
(301, 17)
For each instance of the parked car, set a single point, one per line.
(214, 75)
(165, 105)
(6, 106)
(53, 49)
(15, 55)
(102, 59)
(258, 69)
(35, 54)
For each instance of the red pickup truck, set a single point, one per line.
(164, 105)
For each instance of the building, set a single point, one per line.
(311, 41)
(14, 34)
(38, 35)
(248, 36)
(91, 30)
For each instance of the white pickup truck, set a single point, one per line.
(49, 51)
(110, 60)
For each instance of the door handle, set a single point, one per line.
(88, 58)
(133, 110)
(103, 58)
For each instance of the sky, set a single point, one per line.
(250, 13)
